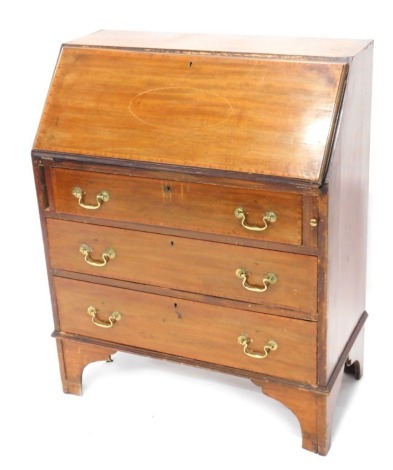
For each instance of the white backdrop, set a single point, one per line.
(138, 412)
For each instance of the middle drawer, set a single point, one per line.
(202, 267)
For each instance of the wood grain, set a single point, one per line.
(312, 409)
(322, 48)
(190, 206)
(344, 200)
(181, 130)
(189, 329)
(73, 358)
(240, 114)
(185, 264)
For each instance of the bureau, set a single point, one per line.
(203, 199)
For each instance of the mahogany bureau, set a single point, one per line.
(204, 199)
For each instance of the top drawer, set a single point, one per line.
(198, 207)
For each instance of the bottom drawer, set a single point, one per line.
(188, 329)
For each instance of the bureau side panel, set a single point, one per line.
(347, 200)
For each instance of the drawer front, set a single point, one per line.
(187, 265)
(189, 329)
(191, 206)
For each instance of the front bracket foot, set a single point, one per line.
(312, 409)
(74, 356)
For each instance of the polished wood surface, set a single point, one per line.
(188, 206)
(186, 265)
(182, 328)
(315, 409)
(164, 108)
(321, 48)
(345, 204)
(73, 358)
(182, 130)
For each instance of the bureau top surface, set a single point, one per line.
(338, 49)
(250, 105)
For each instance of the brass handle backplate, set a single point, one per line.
(268, 218)
(102, 196)
(106, 256)
(269, 278)
(114, 317)
(245, 341)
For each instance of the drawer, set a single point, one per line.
(191, 206)
(189, 329)
(185, 264)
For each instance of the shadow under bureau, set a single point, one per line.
(204, 199)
